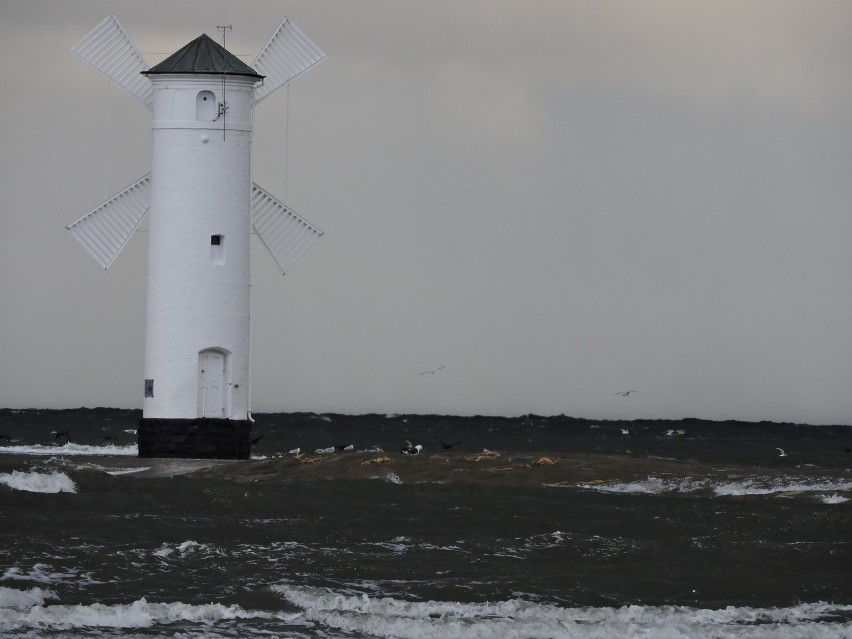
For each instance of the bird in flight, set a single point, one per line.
(625, 393)
(432, 372)
(444, 444)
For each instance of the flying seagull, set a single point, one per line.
(440, 368)
(625, 393)
(444, 444)
(781, 452)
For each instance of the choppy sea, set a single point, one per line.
(528, 527)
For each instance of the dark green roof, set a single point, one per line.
(203, 55)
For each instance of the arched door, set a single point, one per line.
(212, 384)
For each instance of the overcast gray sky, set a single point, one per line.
(552, 200)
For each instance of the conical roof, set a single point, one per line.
(203, 55)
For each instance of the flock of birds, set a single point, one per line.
(409, 448)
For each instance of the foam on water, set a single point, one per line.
(11, 598)
(46, 574)
(516, 618)
(184, 548)
(33, 614)
(127, 471)
(741, 487)
(36, 482)
(71, 449)
(785, 485)
(392, 477)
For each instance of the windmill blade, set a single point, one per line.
(285, 234)
(286, 55)
(109, 50)
(105, 231)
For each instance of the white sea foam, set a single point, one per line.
(184, 548)
(71, 449)
(14, 599)
(139, 614)
(516, 618)
(745, 486)
(46, 574)
(127, 471)
(833, 499)
(390, 476)
(38, 482)
(398, 545)
(780, 485)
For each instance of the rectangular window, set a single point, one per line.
(217, 249)
(149, 388)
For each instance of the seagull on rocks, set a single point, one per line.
(411, 450)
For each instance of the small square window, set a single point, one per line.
(217, 249)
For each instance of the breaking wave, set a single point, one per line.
(26, 610)
(519, 619)
(69, 449)
(741, 487)
(35, 482)
(13, 599)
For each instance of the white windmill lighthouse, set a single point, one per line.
(202, 208)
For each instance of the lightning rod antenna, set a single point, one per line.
(223, 106)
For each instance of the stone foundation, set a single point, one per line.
(194, 438)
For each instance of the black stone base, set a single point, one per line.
(194, 438)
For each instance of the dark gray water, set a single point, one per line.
(709, 533)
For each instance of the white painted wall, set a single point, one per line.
(198, 294)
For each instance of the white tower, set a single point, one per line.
(203, 209)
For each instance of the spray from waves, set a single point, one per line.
(71, 449)
(184, 548)
(35, 482)
(46, 574)
(518, 619)
(13, 599)
(26, 611)
(745, 486)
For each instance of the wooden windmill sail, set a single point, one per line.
(105, 230)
